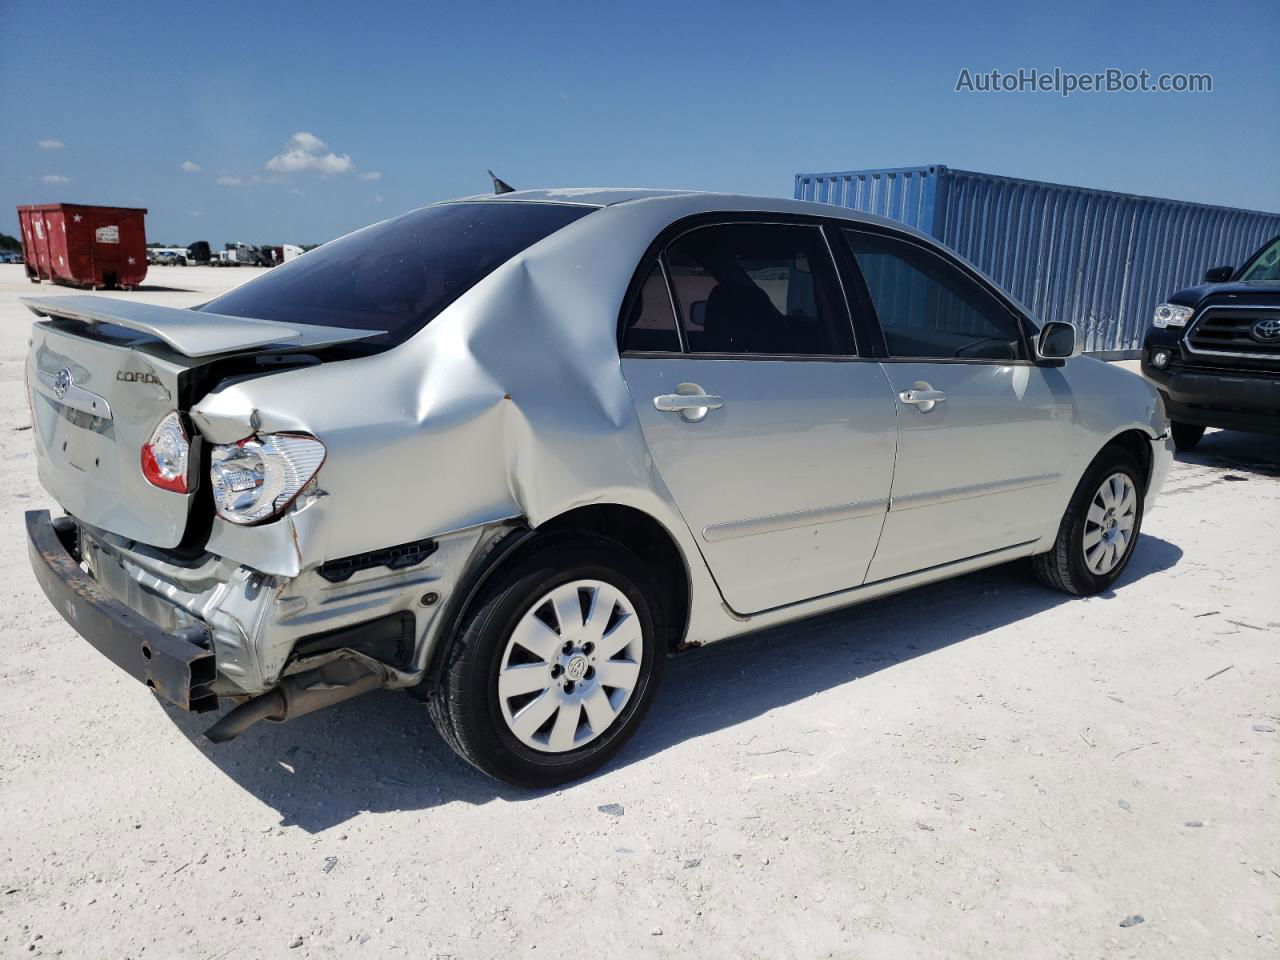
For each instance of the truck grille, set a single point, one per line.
(1232, 331)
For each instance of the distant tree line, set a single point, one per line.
(10, 244)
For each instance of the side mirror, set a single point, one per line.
(1218, 274)
(1057, 341)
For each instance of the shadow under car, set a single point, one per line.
(380, 752)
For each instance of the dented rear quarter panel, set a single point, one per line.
(510, 404)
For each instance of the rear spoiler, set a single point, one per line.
(192, 333)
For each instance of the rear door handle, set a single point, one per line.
(923, 398)
(691, 403)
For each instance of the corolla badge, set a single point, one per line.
(62, 383)
(1266, 331)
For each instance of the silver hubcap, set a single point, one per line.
(1109, 527)
(570, 666)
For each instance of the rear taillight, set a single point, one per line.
(165, 455)
(257, 478)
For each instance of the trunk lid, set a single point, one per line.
(102, 373)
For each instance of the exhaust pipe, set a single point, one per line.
(300, 694)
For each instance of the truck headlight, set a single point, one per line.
(257, 478)
(1171, 315)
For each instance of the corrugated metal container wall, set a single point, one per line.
(1101, 260)
(84, 246)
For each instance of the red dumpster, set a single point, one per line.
(84, 246)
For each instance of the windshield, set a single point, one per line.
(397, 275)
(1265, 267)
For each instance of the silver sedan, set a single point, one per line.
(510, 452)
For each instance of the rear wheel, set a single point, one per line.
(1185, 435)
(1100, 528)
(555, 664)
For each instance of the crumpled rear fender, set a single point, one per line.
(510, 404)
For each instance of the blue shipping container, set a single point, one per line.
(1099, 259)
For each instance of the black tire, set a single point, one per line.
(464, 703)
(1064, 567)
(1185, 435)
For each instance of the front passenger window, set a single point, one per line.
(928, 308)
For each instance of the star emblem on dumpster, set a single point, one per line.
(132, 261)
(77, 218)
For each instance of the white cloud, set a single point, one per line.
(50, 144)
(54, 178)
(293, 161)
(371, 175)
(296, 192)
(196, 213)
(377, 198)
(306, 151)
(229, 181)
(189, 166)
(308, 142)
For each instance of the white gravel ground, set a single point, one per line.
(982, 768)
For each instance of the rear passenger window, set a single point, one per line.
(758, 288)
(929, 309)
(651, 325)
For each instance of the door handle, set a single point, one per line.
(689, 401)
(922, 396)
(672, 402)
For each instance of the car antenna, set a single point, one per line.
(500, 186)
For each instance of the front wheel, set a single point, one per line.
(1099, 530)
(1185, 435)
(555, 664)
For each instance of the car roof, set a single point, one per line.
(685, 202)
(588, 196)
(658, 208)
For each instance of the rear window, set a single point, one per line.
(397, 275)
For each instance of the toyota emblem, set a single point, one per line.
(62, 383)
(1266, 331)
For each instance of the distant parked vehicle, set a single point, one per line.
(199, 252)
(282, 253)
(1213, 351)
(168, 256)
(241, 254)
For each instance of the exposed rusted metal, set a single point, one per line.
(301, 694)
(174, 665)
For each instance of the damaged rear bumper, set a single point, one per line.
(178, 666)
(201, 628)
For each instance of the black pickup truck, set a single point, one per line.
(1213, 350)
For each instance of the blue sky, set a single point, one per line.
(412, 101)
